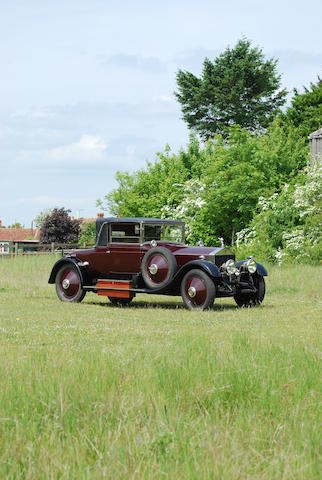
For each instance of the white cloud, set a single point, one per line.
(51, 201)
(133, 62)
(30, 113)
(131, 149)
(42, 114)
(89, 149)
(162, 98)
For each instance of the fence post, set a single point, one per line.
(52, 247)
(16, 249)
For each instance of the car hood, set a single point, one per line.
(198, 251)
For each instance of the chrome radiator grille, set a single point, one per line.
(220, 259)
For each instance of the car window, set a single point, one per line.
(152, 232)
(125, 233)
(167, 232)
(102, 236)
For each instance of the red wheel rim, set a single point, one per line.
(157, 268)
(196, 291)
(69, 283)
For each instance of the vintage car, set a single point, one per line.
(149, 255)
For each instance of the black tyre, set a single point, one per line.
(158, 267)
(198, 291)
(69, 284)
(120, 302)
(252, 299)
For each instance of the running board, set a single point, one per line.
(102, 287)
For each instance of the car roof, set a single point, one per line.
(138, 220)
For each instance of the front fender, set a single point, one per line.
(261, 270)
(59, 264)
(208, 267)
(174, 286)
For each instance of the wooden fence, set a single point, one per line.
(21, 248)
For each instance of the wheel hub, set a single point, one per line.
(153, 269)
(66, 284)
(192, 292)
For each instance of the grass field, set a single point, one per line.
(154, 391)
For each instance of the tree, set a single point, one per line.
(88, 234)
(39, 219)
(214, 187)
(238, 87)
(146, 191)
(249, 167)
(305, 111)
(58, 226)
(16, 225)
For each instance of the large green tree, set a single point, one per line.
(305, 111)
(239, 87)
(214, 187)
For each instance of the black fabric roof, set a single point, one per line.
(137, 220)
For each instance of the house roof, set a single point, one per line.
(316, 134)
(19, 234)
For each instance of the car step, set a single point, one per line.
(114, 288)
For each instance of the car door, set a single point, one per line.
(124, 248)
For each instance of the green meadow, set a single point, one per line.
(155, 391)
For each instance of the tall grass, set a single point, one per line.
(154, 391)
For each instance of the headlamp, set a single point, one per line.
(251, 265)
(230, 267)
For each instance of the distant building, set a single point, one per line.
(10, 236)
(315, 145)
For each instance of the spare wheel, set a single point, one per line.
(158, 267)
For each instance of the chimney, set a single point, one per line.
(100, 215)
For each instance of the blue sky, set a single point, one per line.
(86, 87)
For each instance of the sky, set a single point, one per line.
(86, 87)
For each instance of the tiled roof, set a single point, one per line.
(19, 234)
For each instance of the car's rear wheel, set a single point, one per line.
(198, 291)
(252, 299)
(69, 284)
(158, 267)
(120, 302)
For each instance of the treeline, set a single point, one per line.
(253, 189)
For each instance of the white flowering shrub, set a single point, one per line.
(188, 209)
(307, 197)
(288, 225)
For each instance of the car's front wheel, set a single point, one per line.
(69, 284)
(252, 299)
(198, 291)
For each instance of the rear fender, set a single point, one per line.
(261, 270)
(64, 261)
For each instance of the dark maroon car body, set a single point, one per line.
(149, 255)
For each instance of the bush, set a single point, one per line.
(287, 226)
(88, 234)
